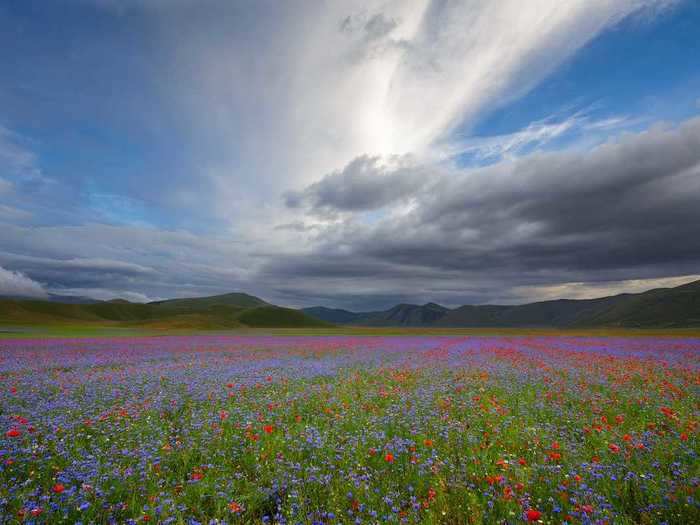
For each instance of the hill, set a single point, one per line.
(399, 315)
(226, 311)
(335, 315)
(660, 308)
(408, 315)
(239, 300)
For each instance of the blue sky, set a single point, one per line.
(186, 148)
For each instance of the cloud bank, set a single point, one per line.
(15, 284)
(626, 209)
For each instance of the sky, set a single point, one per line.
(349, 154)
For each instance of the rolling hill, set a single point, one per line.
(234, 310)
(660, 308)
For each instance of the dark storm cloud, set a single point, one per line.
(364, 184)
(627, 204)
(628, 209)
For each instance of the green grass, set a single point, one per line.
(226, 312)
(12, 331)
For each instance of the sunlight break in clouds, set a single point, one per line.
(342, 80)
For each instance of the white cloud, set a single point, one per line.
(537, 135)
(315, 86)
(18, 284)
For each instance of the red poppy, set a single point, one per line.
(58, 488)
(269, 429)
(13, 433)
(196, 476)
(684, 436)
(522, 461)
(614, 448)
(428, 442)
(389, 457)
(234, 507)
(533, 515)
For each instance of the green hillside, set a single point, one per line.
(218, 312)
(240, 300)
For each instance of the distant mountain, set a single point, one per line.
(216, 312)
(409, 315)
(337, 315)
(399, 315)
(661, 308)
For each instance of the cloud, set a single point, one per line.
(625, 210)
(19, 285)
(536, 136)
(102, 294)
(116, 260)
(85, 265)
(311, 88)
(374, 182)
(509, 232)
(366, 183)
(601, 289)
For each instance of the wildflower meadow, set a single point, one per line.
(350, 430)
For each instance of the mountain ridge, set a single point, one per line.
(677, 307)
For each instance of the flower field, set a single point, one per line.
(331, 430)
